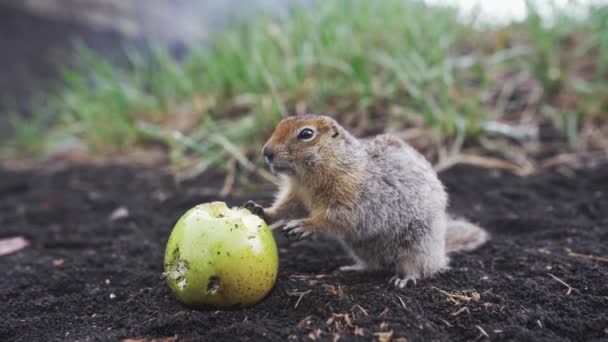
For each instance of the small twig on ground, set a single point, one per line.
(334, 290)
(587, 256)
(402, 302)
(488, 305)
(459, 311)
(304, 322)
(300, 295)
(570, 288)
(357, 306)
(482, 331)
(454, 297)
(333, 321)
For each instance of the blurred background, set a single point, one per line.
(198, 85)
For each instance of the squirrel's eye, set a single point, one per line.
(306, 134)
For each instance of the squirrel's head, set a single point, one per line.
(302, 143)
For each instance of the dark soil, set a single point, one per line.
(85, 277)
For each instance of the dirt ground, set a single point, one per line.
(86, 277)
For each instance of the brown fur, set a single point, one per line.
(315, 189)
(379, 196)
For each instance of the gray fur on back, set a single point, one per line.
(402, 208)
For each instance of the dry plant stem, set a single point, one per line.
(459, 311)
(357, 306)
(229, 179)
(587, 256)
(454, 296)
(484, 162)
(570, 288)
(402, 302)
(299, 294)
(482, 331)
(304, 321)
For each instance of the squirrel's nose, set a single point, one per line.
(268, 153)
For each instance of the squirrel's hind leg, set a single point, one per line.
(409, 269)
(412, 267)
(424, 261)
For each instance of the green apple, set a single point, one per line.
(221, 256)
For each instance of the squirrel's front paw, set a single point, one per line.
(295, 228)
(256, 209)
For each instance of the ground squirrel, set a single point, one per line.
(378, 196)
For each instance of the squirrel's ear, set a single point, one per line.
(335, 130)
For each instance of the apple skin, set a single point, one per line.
(221, 257)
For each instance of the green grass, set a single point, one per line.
(407, 62)
(30, 133)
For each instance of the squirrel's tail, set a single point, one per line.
(462, 235)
